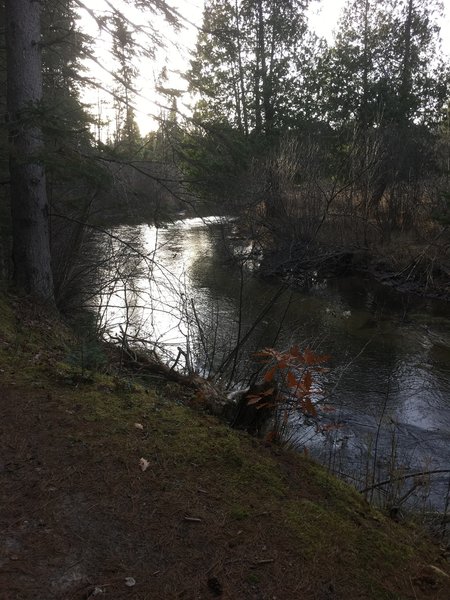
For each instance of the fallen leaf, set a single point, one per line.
(144, 464)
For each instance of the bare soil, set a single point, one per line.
(216, 513)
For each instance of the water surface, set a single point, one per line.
(390, 352)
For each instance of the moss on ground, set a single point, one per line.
(212, 505)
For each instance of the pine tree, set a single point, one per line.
(127, 139)
(29, 207)
(246, 66)
(385, 65)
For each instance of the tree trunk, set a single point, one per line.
(406, 79)
(243, 96)
(266, 86)
(29, 208)
(364, 110)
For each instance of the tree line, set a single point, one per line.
(53, 166)
(316, 144)
(342, 144)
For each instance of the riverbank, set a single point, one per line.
(117, 487)
(417, 275)
(390, 352)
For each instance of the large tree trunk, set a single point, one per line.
(29, 208)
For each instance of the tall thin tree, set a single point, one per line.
(29, 208)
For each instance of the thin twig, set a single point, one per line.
(403, 478)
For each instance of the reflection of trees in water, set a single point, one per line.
(177, 288)
(133, 284)
(203, 308)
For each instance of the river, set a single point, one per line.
(389, 377)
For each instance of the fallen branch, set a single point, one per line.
(263, 561)
(402, 478)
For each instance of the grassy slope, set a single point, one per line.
(215, 514)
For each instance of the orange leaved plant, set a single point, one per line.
(292, 377)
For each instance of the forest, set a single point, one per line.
(333, 153)
(224, 339)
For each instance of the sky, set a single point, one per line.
(323, 17)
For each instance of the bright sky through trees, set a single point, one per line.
(323, 16)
